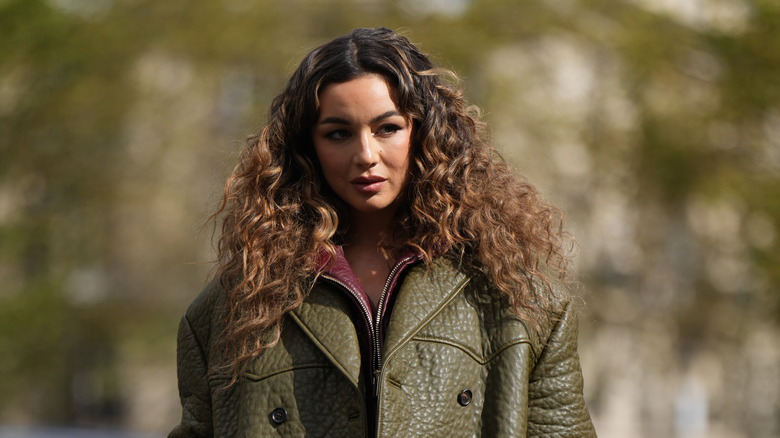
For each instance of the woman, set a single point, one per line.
(381, 273)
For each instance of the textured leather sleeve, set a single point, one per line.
(194, 391)
(556, 407)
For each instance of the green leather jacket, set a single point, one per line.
(454, 366)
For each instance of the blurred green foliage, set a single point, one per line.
(79, 291)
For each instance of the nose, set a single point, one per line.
(367, 154)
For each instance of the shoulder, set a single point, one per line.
(205, 310)
(210, 297)
(552, 318)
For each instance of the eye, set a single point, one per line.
(338, 134)
(388, 129)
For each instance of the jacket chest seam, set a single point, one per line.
(479, 358)
(260, 377)
(431, 315)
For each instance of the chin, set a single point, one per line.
(372, 207)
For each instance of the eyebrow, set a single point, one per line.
(340, 121)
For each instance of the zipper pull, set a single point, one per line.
(376, 382)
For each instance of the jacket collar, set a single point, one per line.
(325, 314)
(325, 318)
(338, 268)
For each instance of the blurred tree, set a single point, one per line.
(658, 128)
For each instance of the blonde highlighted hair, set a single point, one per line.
(463, 201)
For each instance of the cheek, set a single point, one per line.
(324, 157)
(318, 153)
(403, 155)
(327, 169)
(332, 167)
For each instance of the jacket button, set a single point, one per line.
(279, 415)
(464, 398)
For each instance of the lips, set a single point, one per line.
(368, 184)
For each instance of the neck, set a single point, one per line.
(369, 228)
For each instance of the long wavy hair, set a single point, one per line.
(279, 216)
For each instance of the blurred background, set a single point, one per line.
(654, 124)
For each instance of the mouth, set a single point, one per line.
(368, 184)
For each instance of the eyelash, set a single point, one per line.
(383, 131)
(388, 129)
(337, 135)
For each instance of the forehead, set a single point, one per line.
(364, 93)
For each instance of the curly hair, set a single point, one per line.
(463, 201)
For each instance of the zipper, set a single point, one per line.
(366, 312)
(377, 365)
(374, 325)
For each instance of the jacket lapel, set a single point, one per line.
(422, 295)
(324, 317)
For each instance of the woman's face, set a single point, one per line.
(363, 144)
